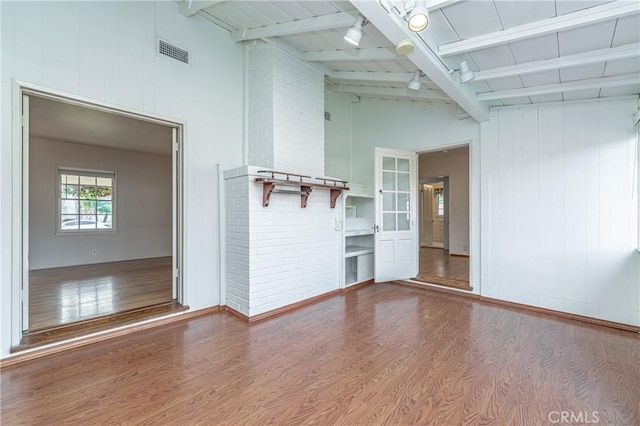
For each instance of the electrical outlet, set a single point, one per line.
(94, 252)
(465, 248)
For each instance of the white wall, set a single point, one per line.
(456, 166)
(106, 51)
(559, 211)
(143, 205)
(337, 135)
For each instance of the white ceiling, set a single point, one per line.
(523, 52)
(57, 120)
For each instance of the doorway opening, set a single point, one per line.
(100, 220)
(444, 217)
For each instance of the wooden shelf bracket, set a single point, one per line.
(303, 188)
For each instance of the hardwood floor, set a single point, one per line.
(67, 295)
(383, 354)
(437, 267)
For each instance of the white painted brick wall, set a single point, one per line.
(286, 112)
(280, 254)
(293, 252)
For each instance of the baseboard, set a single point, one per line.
(521, 306)
(297, 305)
(458, 255)
(357, 286)
(583, 318)
(55, 348)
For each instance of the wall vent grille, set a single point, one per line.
(173, 51)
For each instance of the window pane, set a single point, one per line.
(403, 182)
(69, 191)
(104, 207)
(389, 222)
(104, 193)
(106, 220)
(104, 182)
(69, 207)
(388, 163)
(388, 181)
(88, 192)
(403, 221)
(87, 207)
(87, 180)
(403, 202)
(74, 179)
(69, 221)
(389, 201)
(403, 164)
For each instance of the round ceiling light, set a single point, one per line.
(404, 47)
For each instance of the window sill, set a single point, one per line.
(76, 233)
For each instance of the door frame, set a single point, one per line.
(20, 188)
(445, 218)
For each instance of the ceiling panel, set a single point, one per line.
(499, 56)
(583, 39)
(625, 66)
(627, 30)
(535, 49)
(514, 13)
(268, 10)
(580, 94)
(568, 6)
(479, 86)
(505, 83)
(581, 73)
(539, 78)
(319, 8)
(439, 29)
(294, 9)
(485, 18)
(548, 97)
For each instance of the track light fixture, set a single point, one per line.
(466, 74)
(419, 17)
(415, 82)
(354, 34)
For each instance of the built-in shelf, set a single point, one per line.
(358, 239)
(355, 250)
(303, 187)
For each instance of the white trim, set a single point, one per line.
(575, 101)
(19, 252)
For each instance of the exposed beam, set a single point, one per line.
(395, 29)
(318, 23)
(594, 83)
(392, 77)
(286, 47)
(391, 91)
(373, 54)
(190, 8)
(597, 56)
(403, 5)
(591, 15)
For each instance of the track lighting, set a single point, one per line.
(415, 82)
(466, 74)
(354, 34)
(419, 17)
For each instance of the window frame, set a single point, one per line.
(111, 174)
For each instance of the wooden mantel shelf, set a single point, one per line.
(303, 188)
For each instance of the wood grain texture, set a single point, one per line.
(383, 354)
(76, 293)
(437, 267)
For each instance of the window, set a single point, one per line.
(439, 196)
(86, 201)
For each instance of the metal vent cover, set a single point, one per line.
(173, 51)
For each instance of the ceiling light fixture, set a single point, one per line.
(354, 34)
(466, 74)
(415, 82)
(419, 17)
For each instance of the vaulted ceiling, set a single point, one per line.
(522, 52)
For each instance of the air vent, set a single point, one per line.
(173, 51)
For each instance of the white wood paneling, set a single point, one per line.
(559, 215)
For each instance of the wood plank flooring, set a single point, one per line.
(437, 267)
(66, 295)
(383, 354)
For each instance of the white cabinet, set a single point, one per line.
(358, 239)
